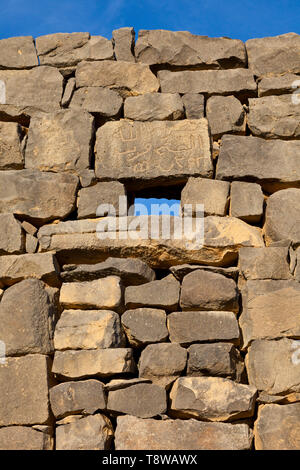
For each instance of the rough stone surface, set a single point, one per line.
(283, 216)
(90, 433)
(142, 400)
(264, 263)
(162, 363)
(278, 54)
(273, 366)
(18, 53)
(131, 79)
(212, 398)
(156, 151)
(26, 308)
(225, 115)
(11, 157)
(274, 117)
(92, 329)
(31, 244)
(123, 42)
(204, 290)
(277, 85)
(24, 438)
(183, 48)
(212, 194)
(194, 105)
(99, 294)
(190, 327)
(208, 82)
(160, 294)
(181, 270)
(26, 192)
(94, 362)
(145, 325)
(246, 201)
(154, 107)
(24, 390)
(278, 427)
(107, 193)
(11, 234)
(68, 92)
(60, 141)
(103, 101)
(85, 397)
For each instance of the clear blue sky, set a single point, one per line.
(241, 19)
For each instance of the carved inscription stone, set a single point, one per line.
(156, 151)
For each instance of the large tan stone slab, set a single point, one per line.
(278, 427)
(278, 54)
(283, 216)
(12, 239)
(212, 398)
(24, 390)
(277, 85)
(264, 263)
(153, 151)
(274, 117)
(26, 192)
(15, 268)
(18, 53)
(11, 156)
(180, 435)
(100, 100)
(212, 194)
(145, 325)
(127, 77)
(160, 294)
(225, 115)
(101, 193)
(24, 438)
(271, 309)
(123, 41)
(209, 82)
(274, 366)
(90, 433)
(88, 329)
(93, 362)
(154, 107)
(277, 167)
(183, 48)
(190, 327)
(246, 201)
(99, 294)
(26, 309)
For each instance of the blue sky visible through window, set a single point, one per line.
(154, 206)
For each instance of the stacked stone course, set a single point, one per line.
(146, 343)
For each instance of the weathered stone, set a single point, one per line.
(208, 82)
(1, 293)
(39, 265)
(24, 390)
(103, 101)
(90, 433)
(212, 399)
(68, 92)
(279, 167)
(277, 85)
(18, 53)
(217, 359)
(107, 193)
(181, 270)
(154, 107)
(24, 438)
(190, 327)
(278, 54)
(194, 105)
(99, 294)
(94, 362)
(277, 427)
(246, 201)
(31, 244)
(225, 115)
(297, 270)
(60, 141)
(29, 91)
(88, 329)
(11, 157)
(141, 400)
(84, 397)
(87, 178)
(283, 216)
(123, 41)
(26, 308)
(180, 435)
(274, 366)
(274, 117)
(63, 49)
(26, 192)
(183, 48)
(11, 233)
(159, 294)
(162, 363)
(29, 228)
(75, 241)
(212, 194)
(131, 271)
(264, 263)
(145, 325)
(204, 290)
(117, 384)
(166, 151)
(129, 78)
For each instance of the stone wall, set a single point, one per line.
(147, 343)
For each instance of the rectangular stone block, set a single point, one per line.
(264, 263)
(123, 41)
(18, 53)
(160, 294)
(212, 194)
(277, 85)
(11, 155)
(12, 240)
(106, 194)
(154, 107)
(246, 201)
(24, 438)
(96, 99)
